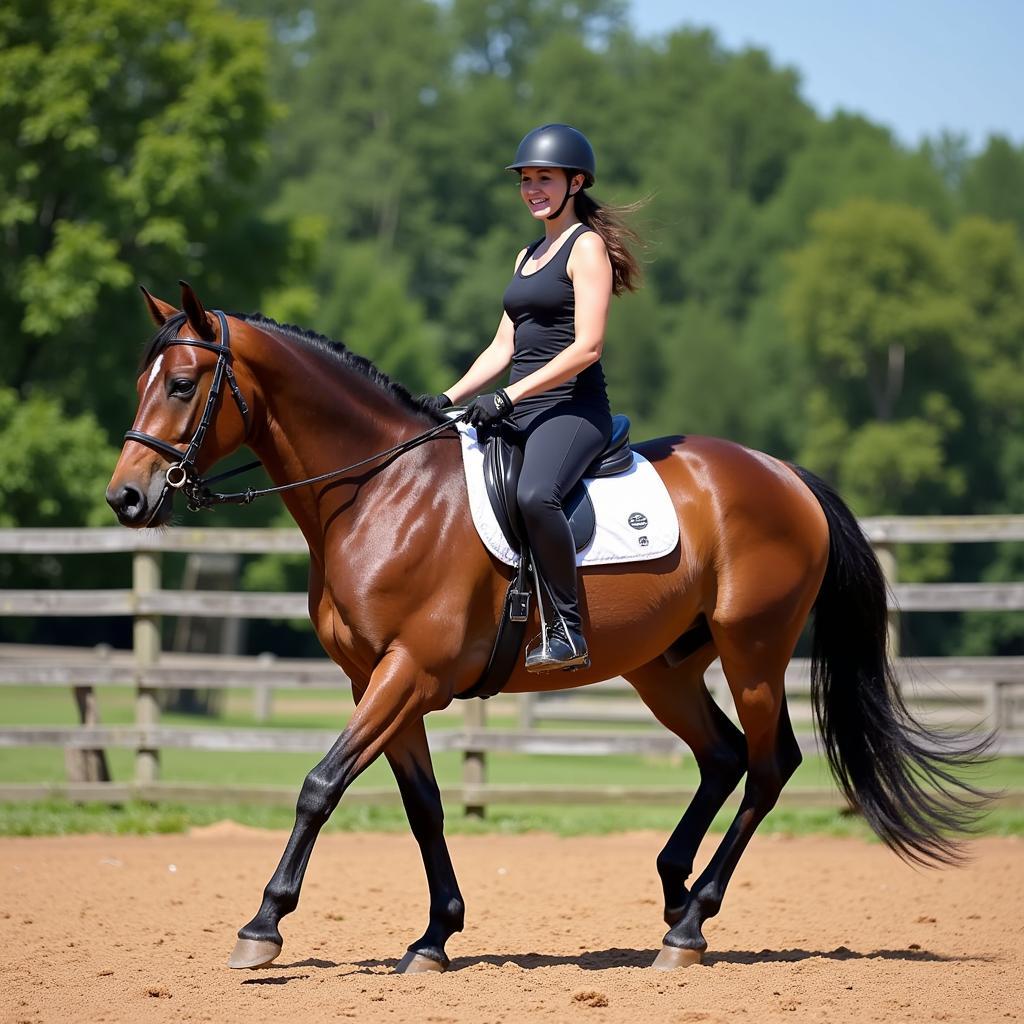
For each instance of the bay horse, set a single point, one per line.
(406, 599)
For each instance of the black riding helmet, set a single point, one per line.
(557, 145)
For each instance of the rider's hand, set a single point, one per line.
(436, 403)
(486, 409)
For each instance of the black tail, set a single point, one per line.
(903, 777)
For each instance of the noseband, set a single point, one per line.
(183, 475)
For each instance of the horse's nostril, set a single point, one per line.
(131, 499)
(127, 502)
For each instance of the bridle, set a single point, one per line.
(183, 475)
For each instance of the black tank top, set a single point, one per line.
(542, 307)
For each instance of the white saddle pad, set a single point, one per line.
(636, 520)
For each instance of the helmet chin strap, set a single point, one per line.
(558, 212)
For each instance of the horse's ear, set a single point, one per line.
(198, 318)
(159, 310)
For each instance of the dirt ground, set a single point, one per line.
(109, 928)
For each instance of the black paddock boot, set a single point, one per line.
(558, 649)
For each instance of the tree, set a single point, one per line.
(845, 158)
(993, 184)
(950, 154)
(53, 466)
(361, 84)
(131, 133)
(869, 299)
(498, 38)
(987, 270)
(755, 120)
(53, 470)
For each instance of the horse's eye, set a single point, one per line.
(182, 387)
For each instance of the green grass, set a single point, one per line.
(54, 706)
(62, 818)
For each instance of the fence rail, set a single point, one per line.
(229, 604)
(467, 795)
(288, 540)
(987, 692)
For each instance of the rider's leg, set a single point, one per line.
(555, 454)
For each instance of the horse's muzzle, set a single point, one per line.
(135, 508)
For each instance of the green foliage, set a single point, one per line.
(132, 132)
(869, 300)
(884, 462)
(988, 271)
(707, 383)
(64, 285)
(813, 288)
(53, 466)
(498, 38)
(993, 184)
(848, 158)
(383, 320)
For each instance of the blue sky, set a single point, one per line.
(914, 65)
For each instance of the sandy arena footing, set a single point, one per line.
(121, 928)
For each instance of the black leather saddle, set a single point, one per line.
(503, 462)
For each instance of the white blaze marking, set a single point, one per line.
(156, 369)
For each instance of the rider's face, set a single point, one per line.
(543, 189)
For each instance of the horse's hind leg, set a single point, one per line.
(409, 757)
(679, 700)
(754, 658)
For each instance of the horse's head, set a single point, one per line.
(179, 427)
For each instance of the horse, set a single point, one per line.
(406, 600)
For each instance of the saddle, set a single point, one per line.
(503, 463)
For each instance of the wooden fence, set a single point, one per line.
(986, 692)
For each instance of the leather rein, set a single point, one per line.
(183, 475)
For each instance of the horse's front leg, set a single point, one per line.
(397, 695)
(409, 757)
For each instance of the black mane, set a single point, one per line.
(310, 339)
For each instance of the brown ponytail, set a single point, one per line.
(618, 236)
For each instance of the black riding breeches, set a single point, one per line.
(557, 448)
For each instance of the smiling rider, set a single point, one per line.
(555, 406)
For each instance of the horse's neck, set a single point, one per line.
(318, 415)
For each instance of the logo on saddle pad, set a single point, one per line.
(638, 521)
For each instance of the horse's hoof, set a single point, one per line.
(416, 963)
(672, 957)
(253, 953)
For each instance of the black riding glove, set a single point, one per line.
(486, 409)
(436, 403)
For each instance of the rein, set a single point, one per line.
(184, 476)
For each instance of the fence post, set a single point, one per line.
(262, 702)
(527, 711)
(146, 646)
(887, 560)
(474, 762)
(1005, 700)
(86, 765)
(262, 695)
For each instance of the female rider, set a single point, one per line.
(555, 406)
